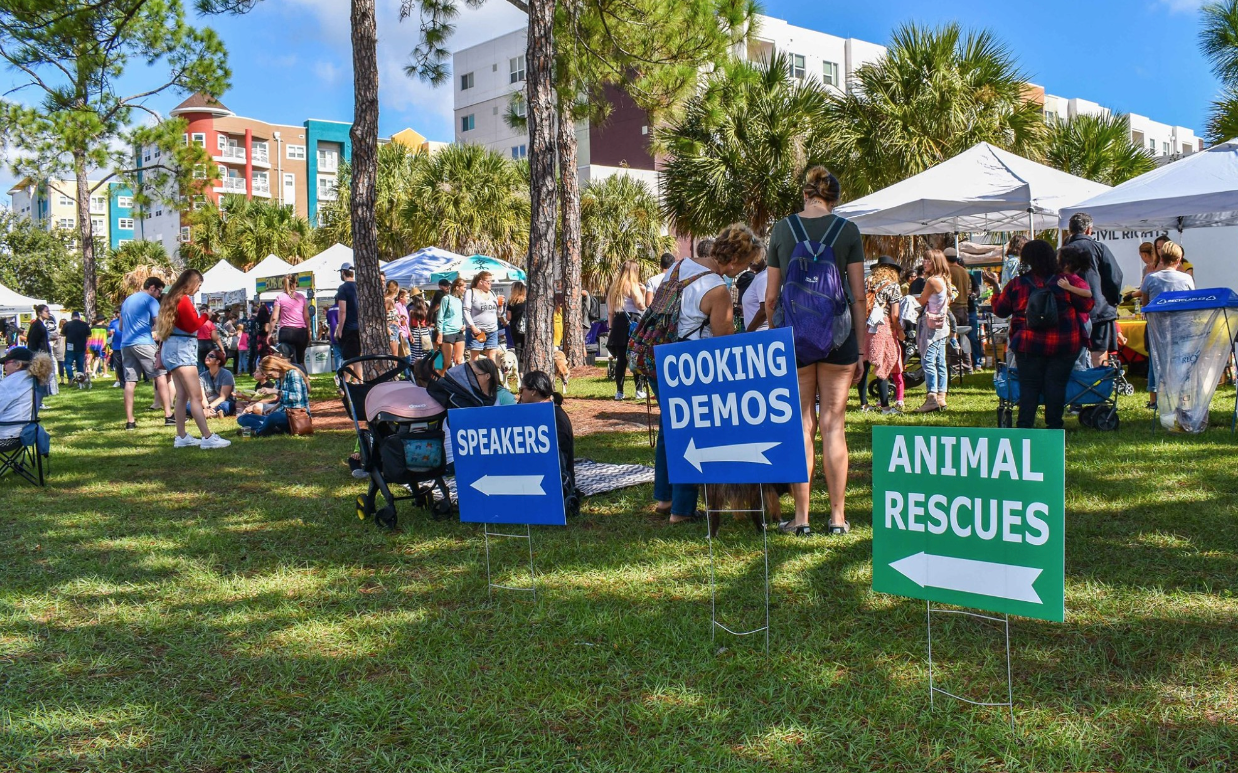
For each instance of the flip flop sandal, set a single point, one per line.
(835, 529)
(696, 517)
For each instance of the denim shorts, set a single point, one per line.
(489, 341)
(179, 352)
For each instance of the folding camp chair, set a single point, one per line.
(25, 453)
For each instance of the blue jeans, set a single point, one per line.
(977, 356)
(268, 424)
(682, 496)
(74, 361)
(933, 360)
(226, 408)
(242, 361)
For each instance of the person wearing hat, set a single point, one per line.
(348, 324)
(885, 332)
(23, 371)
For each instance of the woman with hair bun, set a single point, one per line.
(705, 311)
(826, 381)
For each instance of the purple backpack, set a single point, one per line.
(815, 301)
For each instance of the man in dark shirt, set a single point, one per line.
(1104, 278)
(916, 288)
(348, 328)
(76, 334)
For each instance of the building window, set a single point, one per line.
(185, 233)
(520, 108)
(98, 203)
(124, 223)
(199, 139)
(159, 212)
(829, 73)
(65, 201)
(1164, 148)
(96, 224)
(327, 188)
(516, 65)
(147, 156)
(65, 222)
(158, 152)
(466, 81)
(467, 123)
(1152, 145)
(221, 141)
(798, 67)
(124, 202)
(296, 152)
(520, 151)
(123, 242)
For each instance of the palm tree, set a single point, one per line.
(244, 231)
(934, 94)
(619, 220)
(469, 199)
(1219, 42)
(739, 149)
(135, 260)
(1098, 147)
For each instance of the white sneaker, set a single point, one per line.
(186, 441)
(116, 385)
(640, 394)
(619, 395)
(890, 411)
(216, 440)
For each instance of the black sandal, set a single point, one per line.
(836, 529)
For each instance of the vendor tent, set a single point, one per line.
(271, 265)
(467, 268)
(223, 277)
(1200, 190)
(416, 269)
(326, 267)
(13, 302)
(984, 188)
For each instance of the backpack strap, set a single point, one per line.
(834, 231)
(797, 228)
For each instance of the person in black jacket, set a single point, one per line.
(537, 387)
(1104, 277)
(37, 339)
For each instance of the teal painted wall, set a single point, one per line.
(322, 131)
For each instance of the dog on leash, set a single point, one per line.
(742, 499)
(561, 370)
(509, 366)
(83, 380)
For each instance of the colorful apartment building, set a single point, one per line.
(52, 204)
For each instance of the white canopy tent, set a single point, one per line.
(223, 277)
(13, 302)
(271, 265)
(326, 268)
(982, 189)
(1199, 191)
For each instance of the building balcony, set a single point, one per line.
(262, 188)
(230, 154)
(231, 185)
(327, 193)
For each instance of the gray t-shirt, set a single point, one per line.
(213, 384)
(1165, 281)
(481, 309)
(848, 249)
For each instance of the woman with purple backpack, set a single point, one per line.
(830, 360)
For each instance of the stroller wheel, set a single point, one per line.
(1087, 416)
(441, 508)
(1125, 387)
(386, 517)
(873, 391)
(1004, 416)
(913, 378)
(1106, 418)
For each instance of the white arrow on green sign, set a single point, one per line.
(972, 517)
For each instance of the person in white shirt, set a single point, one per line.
(753, 301)
(655, 281)
(625, 301)
(23, 369)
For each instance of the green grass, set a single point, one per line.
(183, 610)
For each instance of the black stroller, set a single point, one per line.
(402, 440)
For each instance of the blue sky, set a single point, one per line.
(291, 58)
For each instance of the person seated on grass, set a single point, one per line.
(472, 384)
(24, 373)
(537, 387)
(293, 391)
(218, 387)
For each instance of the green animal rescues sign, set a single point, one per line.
(973, 517)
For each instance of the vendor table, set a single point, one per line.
(1135, 331)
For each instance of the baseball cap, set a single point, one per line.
(951, 252)
(17, 354)
(346, 267)
(77, 315)
(444, 282)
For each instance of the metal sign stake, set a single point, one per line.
(713, 586)
(933, 688)
(490, 584)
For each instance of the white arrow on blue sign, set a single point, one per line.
(717, 391)
(507, 464)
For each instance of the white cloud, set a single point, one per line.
(1181, 6)
(327, 72)
(426, 108)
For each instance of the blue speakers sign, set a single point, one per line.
(731, 409)
(507, 464)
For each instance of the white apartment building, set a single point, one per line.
(1161, 140)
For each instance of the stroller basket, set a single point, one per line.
(1093, 390)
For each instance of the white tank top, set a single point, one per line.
(693, 324)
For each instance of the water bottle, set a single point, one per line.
(1138, 305)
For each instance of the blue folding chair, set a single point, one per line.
(24, 454)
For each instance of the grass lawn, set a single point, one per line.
(184, 610)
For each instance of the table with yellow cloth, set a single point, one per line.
(1135, 330)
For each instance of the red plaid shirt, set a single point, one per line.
(1066, 338)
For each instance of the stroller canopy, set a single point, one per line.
(401, 399)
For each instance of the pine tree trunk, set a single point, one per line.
(540, 267)
(372, 314)
(85, 237)
(569, 260)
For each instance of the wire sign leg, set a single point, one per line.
(713, 583)
(491, 585)
(934, 689)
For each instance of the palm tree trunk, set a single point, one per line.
(569, 256)
(539, 340)
(364, 175)
(85, 237)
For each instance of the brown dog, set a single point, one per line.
(561, 369)
(742, 499)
